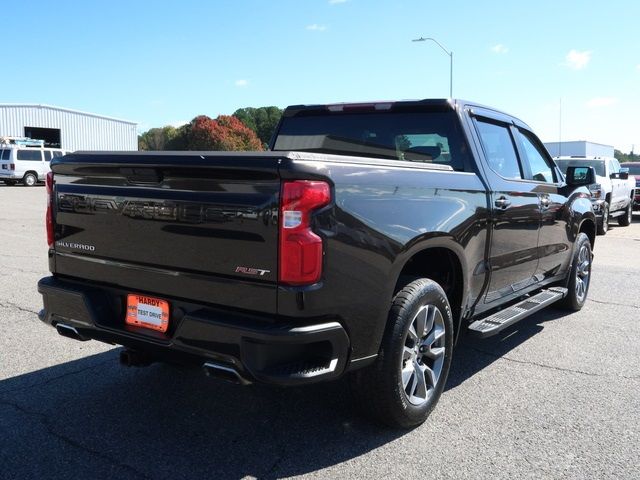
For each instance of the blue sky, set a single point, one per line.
(164, 62)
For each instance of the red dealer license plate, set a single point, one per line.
(147, 312)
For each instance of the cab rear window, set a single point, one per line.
(427, 137)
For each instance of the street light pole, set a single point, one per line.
(422, 39)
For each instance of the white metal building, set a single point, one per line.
(68, 129)
(580, 148)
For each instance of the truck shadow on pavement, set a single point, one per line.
(92, 418)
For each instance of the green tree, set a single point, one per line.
(626, 157)
(157, 138)
(263, 120)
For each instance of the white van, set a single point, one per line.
(25, 164)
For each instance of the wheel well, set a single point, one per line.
(589, 228)
(442, 266)
(30, 171)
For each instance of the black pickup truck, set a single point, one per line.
(364, 243)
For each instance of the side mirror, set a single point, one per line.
(578, 176)
(624, 173)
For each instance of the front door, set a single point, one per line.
(554, 243)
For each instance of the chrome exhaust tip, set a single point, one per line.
(69, 332)
(228, 374)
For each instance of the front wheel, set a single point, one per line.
(404, 385)
(579, 275)
(626, 219)
(603, 226)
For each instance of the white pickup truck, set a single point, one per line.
(612, 195)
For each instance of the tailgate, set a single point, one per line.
(199, 226)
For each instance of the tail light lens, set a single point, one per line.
(12, 166)
(49, 217)
(300, 247)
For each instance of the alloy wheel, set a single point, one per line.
(583, 272)
(423, 355)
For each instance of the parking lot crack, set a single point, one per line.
(613, 303)
(6, 304)
(551, 367)
(51, 430)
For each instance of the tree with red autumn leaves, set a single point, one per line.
(225, 133)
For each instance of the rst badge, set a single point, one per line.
(252, 271)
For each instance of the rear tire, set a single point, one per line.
(603, 225)
(403, 386)
(579, 275)
(626, 219)
(29, 179)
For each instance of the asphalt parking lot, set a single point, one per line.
(555, 396)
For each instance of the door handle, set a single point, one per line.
(502, 202)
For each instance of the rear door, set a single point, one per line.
(515, 210)
(5, 154)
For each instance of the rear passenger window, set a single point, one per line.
(57, 154)
(539, 168)
(47, 155)
(32, 155)
(5, 154)
(499, 149)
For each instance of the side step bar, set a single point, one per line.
(488, 326)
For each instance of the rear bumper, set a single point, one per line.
(264, 349)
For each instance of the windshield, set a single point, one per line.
(633, 169)
(428, 137)
(598, 165)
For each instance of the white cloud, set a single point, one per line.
(599, 102)
(577, 60)
(242, 83)
(336, 2)
(316, 28)
(499, 48)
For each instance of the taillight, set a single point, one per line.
(300, 247)
(49, 217)
(12, 166)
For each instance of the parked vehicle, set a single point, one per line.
(365, 242)
(613, 192)
(634, 170)
(25, 160)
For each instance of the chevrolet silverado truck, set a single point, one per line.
(364, 243)
(613, 192)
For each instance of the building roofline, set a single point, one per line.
(581, 141)
(53, 107)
